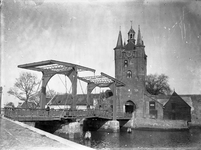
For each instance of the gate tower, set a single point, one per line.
(131, 69)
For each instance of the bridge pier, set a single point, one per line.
(97, 124)
(71, 129)
(112, 126)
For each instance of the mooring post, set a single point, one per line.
(0, 98)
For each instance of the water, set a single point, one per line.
(140, 139)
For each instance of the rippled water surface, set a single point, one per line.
(140, 138)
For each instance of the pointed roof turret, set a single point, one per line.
(131, 35)
(119, 41)
(131, 29)
(139, 37)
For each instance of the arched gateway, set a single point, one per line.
(130, 107)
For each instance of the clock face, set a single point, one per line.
(129, 54)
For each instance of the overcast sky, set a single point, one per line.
(85, 32)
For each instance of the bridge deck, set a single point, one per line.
(33, 115)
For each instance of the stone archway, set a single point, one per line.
(130, 107)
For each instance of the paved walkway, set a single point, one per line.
(19, 136)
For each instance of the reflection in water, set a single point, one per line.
(140, 138)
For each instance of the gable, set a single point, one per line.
(175, 98)
(163, 99)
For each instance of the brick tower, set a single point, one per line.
(131, 68)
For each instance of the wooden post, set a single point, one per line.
(0, 98)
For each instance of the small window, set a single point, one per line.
(152, 105)
(131, 36)
(125, 63)
(129, 74)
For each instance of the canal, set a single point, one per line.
(140, 139)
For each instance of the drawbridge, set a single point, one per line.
(49, 68)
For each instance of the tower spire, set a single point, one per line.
(119, 40)
(131, 34)
(131, 23)
(139, 37)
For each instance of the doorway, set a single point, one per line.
(130, 107)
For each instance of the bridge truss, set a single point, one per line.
(51, 67)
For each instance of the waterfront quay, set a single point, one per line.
(16, 135)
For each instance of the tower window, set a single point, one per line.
(131, 36)
(129, 74)
(125, 63)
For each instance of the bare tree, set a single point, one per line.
(25, 87)
(157, 84)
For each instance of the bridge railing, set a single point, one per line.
(88, 113)
(18, 113)
(43, 114)
(74, 113)
(100, 113)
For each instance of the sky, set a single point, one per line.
(85, 33)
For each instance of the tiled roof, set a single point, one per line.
(188, 100)
(153, 98)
